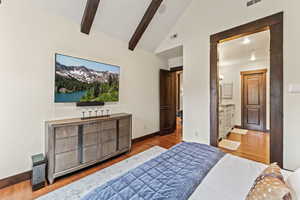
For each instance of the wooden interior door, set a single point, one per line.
(167, 101)
(254, 100)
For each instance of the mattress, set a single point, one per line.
(230, 179)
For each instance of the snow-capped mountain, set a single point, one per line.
(83, 74)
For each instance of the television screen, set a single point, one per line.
(80, 80)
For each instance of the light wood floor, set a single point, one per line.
(254, 146)
(22, 191)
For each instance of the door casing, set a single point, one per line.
(275, 24)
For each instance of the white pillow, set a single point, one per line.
(294, 182)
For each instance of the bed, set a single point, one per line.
(227, 177)
(230, 179)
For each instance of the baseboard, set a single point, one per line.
(145, 137)
(15, 179)
(238, 126)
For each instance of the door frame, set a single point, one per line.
(177, 69)
(275, 24)
(264, 110)
(178, 90)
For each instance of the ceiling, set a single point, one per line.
(120, 19)
(239, 51)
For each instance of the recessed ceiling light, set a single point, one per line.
(246, 40)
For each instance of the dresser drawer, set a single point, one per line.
(99, 151)
(123, 142)
(109, 148)
(67, 131)
(66, 144)
(89, 154)
(124, 122)
(91, 128)
(89, 139)
(124, 131)
(108, 135)
(109, 125)
(66, 160)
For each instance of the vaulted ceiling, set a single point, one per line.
(120, 18)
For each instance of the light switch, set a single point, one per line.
(294, 88)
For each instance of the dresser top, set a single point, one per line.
(79, 120)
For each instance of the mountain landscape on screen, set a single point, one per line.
(78, 80)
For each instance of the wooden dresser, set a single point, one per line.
(73, 144)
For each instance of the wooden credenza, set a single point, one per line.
(74, 144)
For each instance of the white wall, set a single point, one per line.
(29, 38)
(203, 18)
(232, 74)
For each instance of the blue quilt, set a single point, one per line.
(173, 175)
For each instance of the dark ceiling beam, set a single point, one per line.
(152, 9)
(89, 15)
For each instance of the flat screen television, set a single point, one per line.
(81, 80)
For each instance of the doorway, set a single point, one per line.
(171, 100)
(244, 96)
(274, 24)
